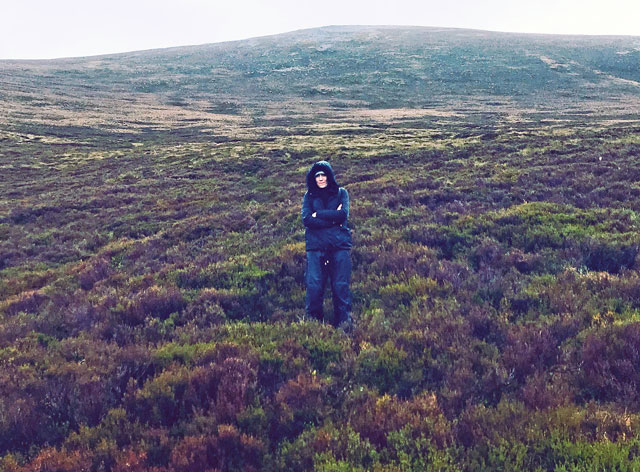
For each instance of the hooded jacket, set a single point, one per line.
(328, 230)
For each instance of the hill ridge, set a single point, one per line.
(324, 71)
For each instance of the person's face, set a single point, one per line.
(321, 181)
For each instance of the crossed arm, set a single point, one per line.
(325, 218)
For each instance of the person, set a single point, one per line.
(325, 214)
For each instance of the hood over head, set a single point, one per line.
(332, 185)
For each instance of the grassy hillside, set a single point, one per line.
(152, 255)
(310, 75)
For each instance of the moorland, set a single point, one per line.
(152, 255)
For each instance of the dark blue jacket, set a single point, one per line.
(328, 230)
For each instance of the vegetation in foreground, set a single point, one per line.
(152, 256)
(151, 298)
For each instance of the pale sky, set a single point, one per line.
(44, 29)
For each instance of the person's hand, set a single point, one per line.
(339, 207)
(313, 215)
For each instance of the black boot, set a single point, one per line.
(346, 325)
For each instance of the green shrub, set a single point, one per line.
(381, 367)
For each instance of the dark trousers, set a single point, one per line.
(336, 266)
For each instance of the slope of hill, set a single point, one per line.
(152, 255)
(313, 74)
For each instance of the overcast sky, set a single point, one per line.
(42, 29)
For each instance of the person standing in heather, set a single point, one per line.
(325, 214)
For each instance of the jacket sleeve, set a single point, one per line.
(308, 220)
(337, 216)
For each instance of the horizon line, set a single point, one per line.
(184, 46)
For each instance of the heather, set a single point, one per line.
(152, 297)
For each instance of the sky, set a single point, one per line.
(46, 29)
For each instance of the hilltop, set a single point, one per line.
(328, 73)
(152, 255)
